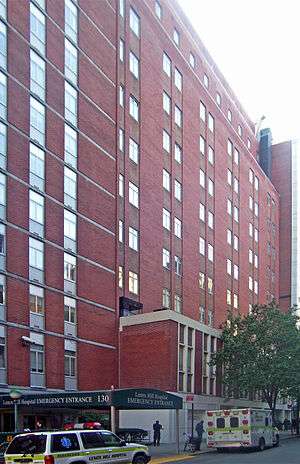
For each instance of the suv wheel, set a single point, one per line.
(262, 444)
(139, 459)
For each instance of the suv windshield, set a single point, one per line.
(27, 444)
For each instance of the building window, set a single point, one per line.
(120, 277)
(236, 185)
(229, 115)
(36, 299)
(37, 358)
(133, 239)
(3, 145)
(235, 301)
(3, 8)
(37, 75)
(36, 254)
(70, 188)
(166, 141)
(210, 285)
(37, 121)
(192, 60)
(256, 235)
(229, 177)
(229, 207)
(178, 153)
(158, 10)
(201, 280)
(134, 108)
(256, 261)
(121, 8)
(71, 20)
(177, 190)
(250, 203)
(166, 219)
(202, 112)
(202, 178)
(70, 225)
(121, 228)
(236, 272)
(166, 103)
(229, 147)
(70, 363)
(256, 208)
(71, 62)
(201, 246)
(248, 144)
(218, 99)
(202, 314)
(70, 104)
(210, 252)
(236, 243)
(210, 320)
(256, 287)
(256, 182)
(166, 258)
(133, 151)
(251, 176)
(133, 284)
(176, 36)
(228, 266)
(206, 80)
(177, 304)
(178, 116)
(166, 297)
(36, 213)
(121, 185)
(250, 229)
(240, 130)
(37, 29)
(178, 79)
(121, 95)
(236, 156)
(229, 237)
(236, 214)
(2, 239)
(134, 65)
(210, 219)
(166, 180)
(202, 145)
(228, 297)
(133, 195)
(70, 146)
(202, 212)
(121, 50)
(36, 166)
(211, 155)
(250, 283)
(134, 22)
(69, 267)
(167, 65)
(121, 139)
(177, 227)
(178, 265)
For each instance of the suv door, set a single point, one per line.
(64, 447)
(113, 443)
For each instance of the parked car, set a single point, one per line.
(133, 435)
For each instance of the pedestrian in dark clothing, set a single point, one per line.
(199, 430)
(294, 426)
(157, 427)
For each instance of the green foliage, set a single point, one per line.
(261, 353)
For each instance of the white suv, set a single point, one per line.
(74, 447)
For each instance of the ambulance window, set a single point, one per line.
(92, 440)
(64, 442)
(110, 439)
(234, 422)
(220, 423)
(266, 421)
(27, 444)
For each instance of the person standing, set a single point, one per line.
(199, 430)
(157, 427)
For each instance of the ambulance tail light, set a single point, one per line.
(226, 413)
(210, 433)
(210, 414)
(210, 424)
(49, 459)
(245, 411)
(245, 422)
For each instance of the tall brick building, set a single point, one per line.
(130, 186)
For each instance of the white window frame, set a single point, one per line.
(133, 194)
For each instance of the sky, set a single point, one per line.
(256, 45)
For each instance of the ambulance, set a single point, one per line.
(241, 428)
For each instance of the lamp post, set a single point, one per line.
(15, 396)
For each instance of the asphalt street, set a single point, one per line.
(287, 453)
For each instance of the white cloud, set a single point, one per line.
(255, 43)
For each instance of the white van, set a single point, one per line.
(241, 428)
(74, 447)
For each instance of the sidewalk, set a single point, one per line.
(167, 452)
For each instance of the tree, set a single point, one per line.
(260, 353)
